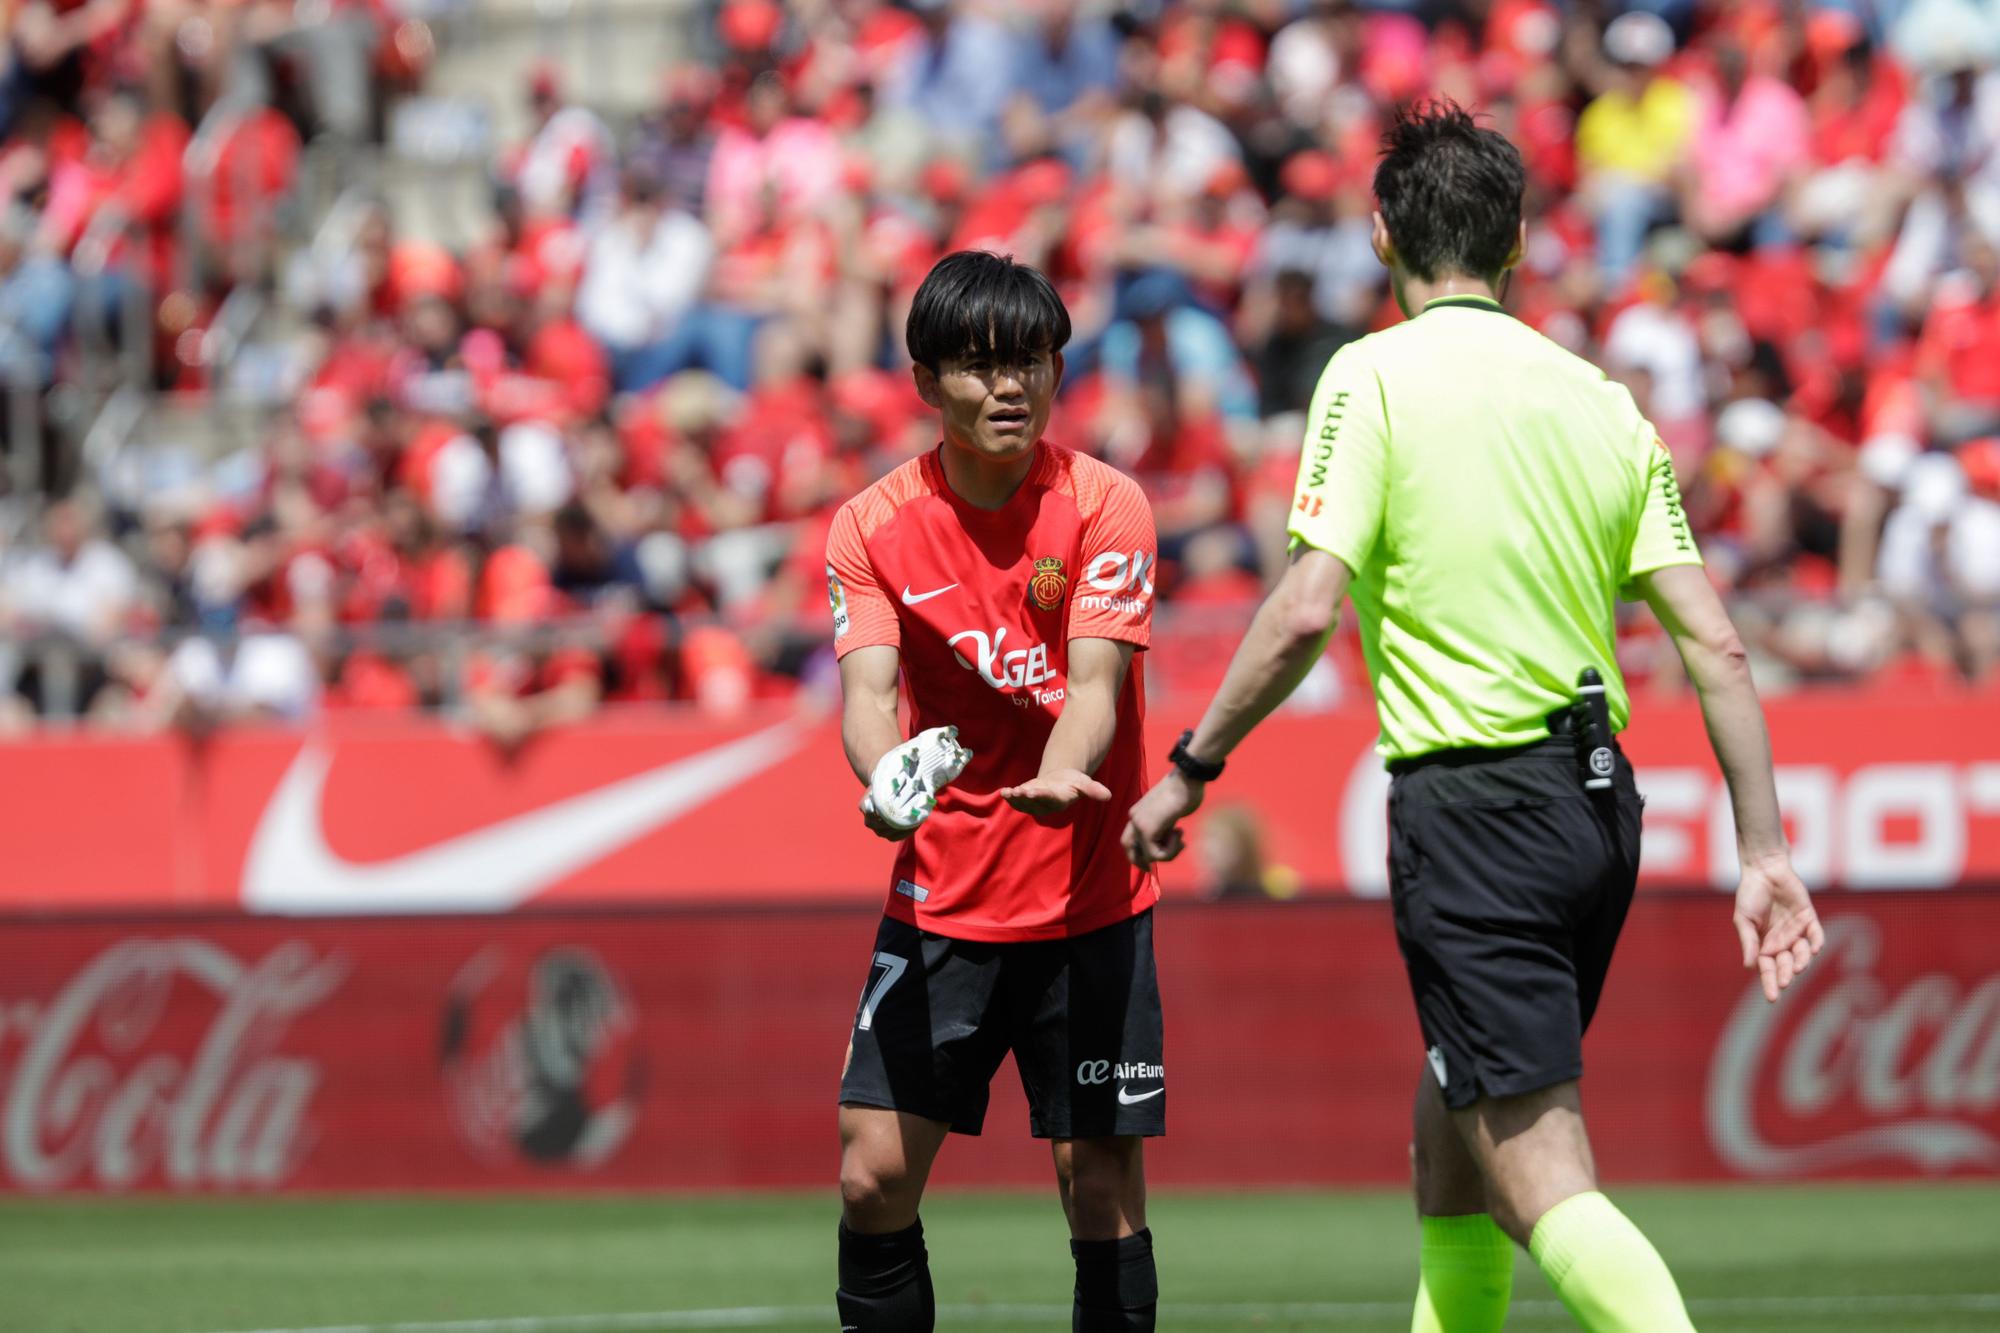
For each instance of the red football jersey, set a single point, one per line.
(982, 605)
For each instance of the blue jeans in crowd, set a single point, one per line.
(36, 301)
(715, 338)
(1627, 211)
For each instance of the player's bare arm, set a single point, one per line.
(1285, 638)
(1082, 735)
(1775, 921)
(869, 727)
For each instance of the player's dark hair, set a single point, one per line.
(1450, 191)
(975, 303)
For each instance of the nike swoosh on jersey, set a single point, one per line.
(910, 600)
(1125, 1097)
(290, 868)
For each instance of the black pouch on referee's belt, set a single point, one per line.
(1590, 723)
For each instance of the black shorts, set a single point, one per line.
(1510, 883)
(1081, 1015)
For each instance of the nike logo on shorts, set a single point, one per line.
(910, 599)
(1127, 1098)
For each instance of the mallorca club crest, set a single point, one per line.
(1045, 589)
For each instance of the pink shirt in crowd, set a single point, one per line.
(1744, 152)
(801, 157)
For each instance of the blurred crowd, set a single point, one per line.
(150, 155)
(149, 150)
(610, 433)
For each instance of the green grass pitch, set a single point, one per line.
(1889, 1259)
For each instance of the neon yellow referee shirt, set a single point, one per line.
(1493, 495)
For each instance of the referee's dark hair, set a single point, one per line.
(1450, 192)
(976, 303)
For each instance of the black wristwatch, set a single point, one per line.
(1191, 767)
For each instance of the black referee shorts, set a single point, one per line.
(1510, 883)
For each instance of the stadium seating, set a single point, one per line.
(444, 355)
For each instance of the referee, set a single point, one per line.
(1487, 497)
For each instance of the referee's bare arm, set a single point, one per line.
(1285, 638)
(1775, 921)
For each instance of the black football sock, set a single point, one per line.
(885, 1282)
(1117, 1289)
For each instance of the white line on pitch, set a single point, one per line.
(770, 1316)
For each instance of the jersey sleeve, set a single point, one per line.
(863, 615)
(1343, 466)
(1662, 537)
(1114, 599)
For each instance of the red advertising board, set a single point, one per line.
(409, 814)
(700, 1049)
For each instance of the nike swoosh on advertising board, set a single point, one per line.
(290, 868)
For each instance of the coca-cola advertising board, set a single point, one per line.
(408, 814)
(700, 1049)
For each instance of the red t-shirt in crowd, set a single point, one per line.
(982, 604)
(1961, 343)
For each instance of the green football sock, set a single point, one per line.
(1468, 1276)
(1608, 1274)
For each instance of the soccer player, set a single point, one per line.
(1009, 581)
(1487, 497)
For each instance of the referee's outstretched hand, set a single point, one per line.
(1776, 923)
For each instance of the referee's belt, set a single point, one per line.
(1563, 728)
(1563, 722)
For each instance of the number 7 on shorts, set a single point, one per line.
(892, 968)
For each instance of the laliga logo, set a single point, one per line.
(96, 1090)
(1012, 670)
(540, 1060)
(1925, 1060)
